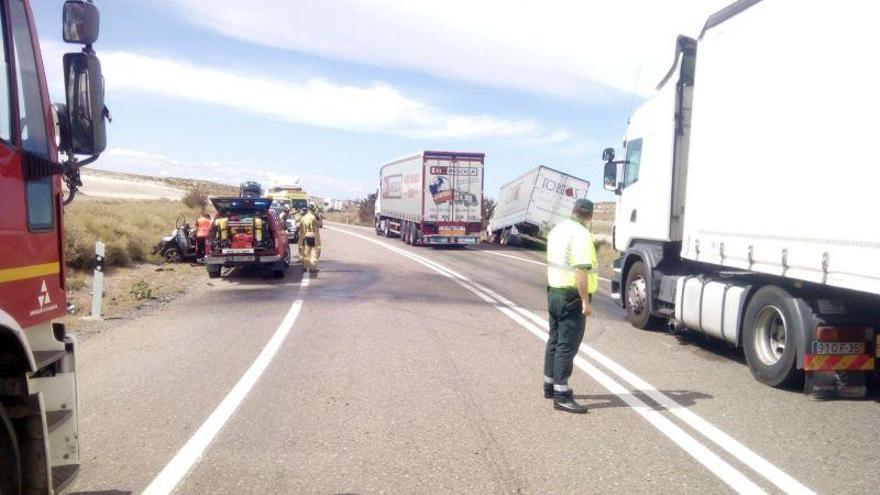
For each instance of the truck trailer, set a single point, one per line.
(738, 215)
(39, 430)
(433, 198)
(531, 205)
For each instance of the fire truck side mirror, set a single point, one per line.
(84, 86)
(81, 22)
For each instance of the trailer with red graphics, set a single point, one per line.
(39, 449)
(432, 198)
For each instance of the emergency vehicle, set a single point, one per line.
(39, 450)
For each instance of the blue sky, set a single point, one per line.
(327, 91)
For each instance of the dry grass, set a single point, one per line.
(129, 229)
(348, 216)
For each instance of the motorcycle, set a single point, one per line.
(179, 245)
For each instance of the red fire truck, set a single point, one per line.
(38, 394)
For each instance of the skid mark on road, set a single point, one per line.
(715, 464)
(190, 454)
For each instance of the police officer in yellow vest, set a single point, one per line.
(572, 280)
(310, 235)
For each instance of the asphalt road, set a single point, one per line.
(417, 370)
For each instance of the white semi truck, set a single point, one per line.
(432, 198)
(532, 204)
(748, 196)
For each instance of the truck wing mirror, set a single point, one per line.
(608, 155)
(81, 22)
(610, 179)
(84, 86)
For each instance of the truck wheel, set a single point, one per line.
(404, 232)
(410, 234)
(769, 340)
(387, 231)
(214, 272)
(637, 294)
(10, 460)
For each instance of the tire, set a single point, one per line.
(214, 273)
(387, 231)
(278, 274)
(404, 232)
(772, 322)
(636, 298)
(172, 255)
(415, 235)
(10, 459)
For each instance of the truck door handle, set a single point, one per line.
(634, 216)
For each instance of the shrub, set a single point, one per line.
(116, 255)
(136, 250)
(141, 290)
(367, 209)
(196, 198)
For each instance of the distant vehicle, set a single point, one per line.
(529, 206)
(250, 189)
(332, 205)
(179, 245)
(298, 198)
(739, 214)
(432, 198)
(246, 232)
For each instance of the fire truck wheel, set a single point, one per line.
(10, 462)
(213, 272)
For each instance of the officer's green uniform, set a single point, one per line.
(569, 247)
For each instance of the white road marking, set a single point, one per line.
(722, 469)
(525, 260)
(191, 453)
(747, 456)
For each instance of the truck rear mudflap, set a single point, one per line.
(841, 368)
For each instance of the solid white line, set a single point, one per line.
(723, 470)
(745, 455)
(190, 454)
(520, 258)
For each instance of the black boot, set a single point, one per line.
(548, 390)
(564, 401)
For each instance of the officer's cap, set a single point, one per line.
(583, 207)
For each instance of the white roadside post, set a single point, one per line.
(98, 280)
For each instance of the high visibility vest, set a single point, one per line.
(203, 227)
(569, 247)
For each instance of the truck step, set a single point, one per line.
(54, 419)
(62, 476)
(45, 358)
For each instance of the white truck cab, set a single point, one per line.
(735, 215)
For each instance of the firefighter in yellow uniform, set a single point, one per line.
(572, 280)
(300, 245)
(310, 234)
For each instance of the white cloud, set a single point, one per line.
(376, 107)
(572, 48)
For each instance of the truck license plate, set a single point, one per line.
(242, 258)
(450, 231)
(838, 347)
